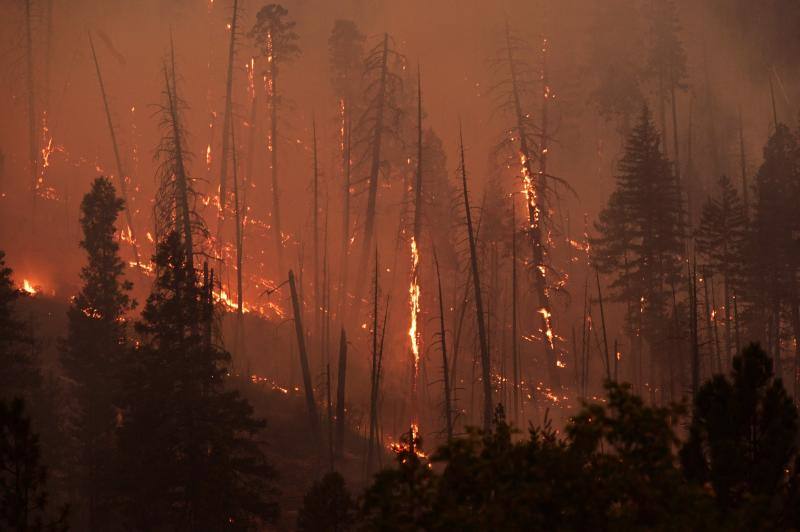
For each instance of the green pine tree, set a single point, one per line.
(188, 455)
(93, 350)
(641, 238)
(20, 374)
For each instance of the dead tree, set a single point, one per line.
(122, 184)
(175, 197)
(448, 410)
(346, 50)
(311, 404)
(381, 113)
(33, 156)
(514, 95)
(340, 394)
(476, 281)
(374, 382)
(227, 121)
(238, 207)
(277, 40)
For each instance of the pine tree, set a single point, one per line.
(771, 285)
(92, 351)
(188, 458)
(641, 241)
(615, 61)
(742, 438)
(327, 506)
(23, 478)
(274, 35)
(20, 372)
(720, 242)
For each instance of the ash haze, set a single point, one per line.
(363, 264)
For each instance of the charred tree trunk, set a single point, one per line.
(33, 156)
(514, 344)
(448, 410)
(272, 95)
(373, 396)
(340, 394)
(122, 184)
(227, 121)
(484, 348)
(311, 404)
(375, 166)
(237, 212)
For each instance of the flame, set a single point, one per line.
(548, 330)
(400, 447)
(414, 293)
(29, 288)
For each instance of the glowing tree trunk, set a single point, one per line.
(414, 287)
(122, 184)
(476, 281)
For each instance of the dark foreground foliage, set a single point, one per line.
(619, 465)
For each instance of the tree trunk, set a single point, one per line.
(311, 404)
(484, 348)
(122, 185)
(340, 394)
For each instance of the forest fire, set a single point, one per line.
(212, 274)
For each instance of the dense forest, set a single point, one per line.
(375, 265)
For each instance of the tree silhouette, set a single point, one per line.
(742, 438)
(23, 479)
(641, 237)
(188, 457)
(274, 35)
(327, 506)
(93, 350)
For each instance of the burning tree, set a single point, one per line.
(529, 144)
(92, 351)
(274, 35)
(641, 240)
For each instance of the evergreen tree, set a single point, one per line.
(188, 457)
(773, 256)
(721, 243)
(615, 61)
(273, 33)
(92, 352)
(743, 439)
(641, 238)
(327, 507)
(20, 374)
(23, 479)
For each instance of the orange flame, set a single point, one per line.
(414, 293)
